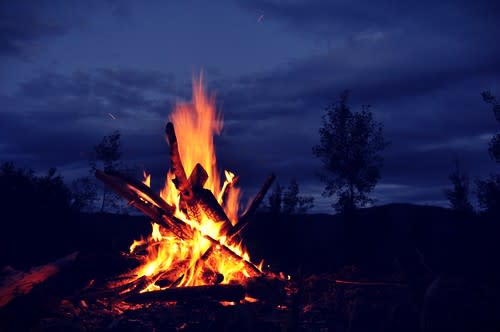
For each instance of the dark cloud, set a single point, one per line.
(54, 119)
(421, 66)
(26, 26)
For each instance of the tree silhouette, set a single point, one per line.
(275, 200)
(488, 191)
(107, 155)
(38, 212)
(459, 195)
(293, 203)
(350, 150)
(488, 195)
(494, 148)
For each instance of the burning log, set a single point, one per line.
(209, 205)
(178, 227)
(245, 218)
(230, 293)
(163, 218)
(198, 177)
(181, 181)
(198, 199)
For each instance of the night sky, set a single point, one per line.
(274, 66)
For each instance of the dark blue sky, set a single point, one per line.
(421, 65)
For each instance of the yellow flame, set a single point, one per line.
(170, 258)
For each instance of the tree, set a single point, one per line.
(288, 202)
(84, 191)
(36, 210)
(488, 191)
(108, 155)
(275, 199)
(488, 195)
(459, 195)
(494, 146)
(293, 203)
(350, 150)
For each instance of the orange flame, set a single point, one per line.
(180, 262)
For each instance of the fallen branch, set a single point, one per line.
(18, 283)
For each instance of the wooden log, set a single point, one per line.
(245, 218)
(198, 177)
(18, 283)
(161, 217)
(181, 181)
(178, 227)
(143, 191)
(209, 205)
(231, 293)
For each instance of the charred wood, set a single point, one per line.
(232, 293)
(17, 283)
(198, 177)
(181, 181)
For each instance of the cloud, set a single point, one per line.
(26, 26)
(54, 119)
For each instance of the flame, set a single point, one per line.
(182, 262)
(147, 179)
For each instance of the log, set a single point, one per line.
(181, 181)
(231, 293)
(178, 227)
(143, 191)
(18, 283)
(193, 200)
(209, 205)
(157, 214)
(198, 177)
(245, 218)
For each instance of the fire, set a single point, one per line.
(167, 260)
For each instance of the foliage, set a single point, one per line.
(289, 201)
(488, 194)
(350, 150)
(488, 191)
(459, 195)
(275, 199)
(293, 203)
(84, 193)
(37, 211)
(494, 146)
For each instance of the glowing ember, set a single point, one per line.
(210, 255)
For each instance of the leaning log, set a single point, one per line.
(160, 216)
(181, 181)
(198, 177)
(18, 283)
(245, 218)
(230, 293)
(175, 225)
(208, 204)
